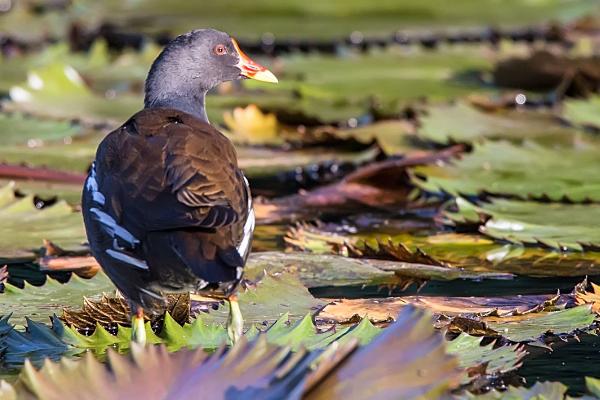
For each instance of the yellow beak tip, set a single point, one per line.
(265, 76)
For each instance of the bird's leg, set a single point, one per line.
(138, 330)
(235, 322)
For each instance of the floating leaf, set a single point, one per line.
(583, 111)
(271, 298)
(39, 341)
(19, 129)
(593, 386)
(38, 302)
(306, 237)
(384, 309)
(532, 327)
(47, 143)
(493, 360)
(58, 91)
(393, 136)
(316, 270)
(556, 225)
(583, 296)
(111, 312)
(539, 391)
(421, 368)
(23, 226)
(270, 163)
(463, 123)
(523, 171)
(473, 252)
(297, 19)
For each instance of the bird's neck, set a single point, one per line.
(193, 104)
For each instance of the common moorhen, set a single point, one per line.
(165, 206)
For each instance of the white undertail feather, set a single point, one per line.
(112, 228)
(244, 245)
(126, 258)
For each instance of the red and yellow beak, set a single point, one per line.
(251, 69)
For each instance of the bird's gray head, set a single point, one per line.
(192, 64)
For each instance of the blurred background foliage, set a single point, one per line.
(427, 153)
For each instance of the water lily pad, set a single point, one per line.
(561, 226)
(532, 327)
(55, 144)
(39, 302)
(58, 91)
(583, 112)
(461, 122)
(393, 136)
(540, 390)
(295, 19)
(271, 163)
(473, 252)
(19, 129)
(384, 309)
(495, 360)
(525, 171)
(422, 368)
(317, 270)
(23, 226)
(272, 297)
(394, 77)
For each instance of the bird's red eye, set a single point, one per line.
(220, 50)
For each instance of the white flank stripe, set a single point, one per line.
(113, 228)
(248, 229)
(91, 183)
(98, 197)
(152, 294)
(242, 248)
(136, 262)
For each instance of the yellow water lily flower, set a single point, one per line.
(251, 125)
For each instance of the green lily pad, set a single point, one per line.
(461, 122)
(58, 91)
(556, 225)
(394, 137)
(422, 368)
(523, 171)
(272, 297)
(19, 129)
(334, 20)
(23, 227)
(69, 192)
(54, 144)
(471, 252)
(539, 391)
(294, 19)
(393, 78)
(267, 162)
(532, 327)
(318, 270)
(497, 361)
(583, 112)
(593, 386)
(38, 302)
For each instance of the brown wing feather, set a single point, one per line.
(188, 177)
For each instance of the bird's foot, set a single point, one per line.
(138, 329)
(235, 322)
